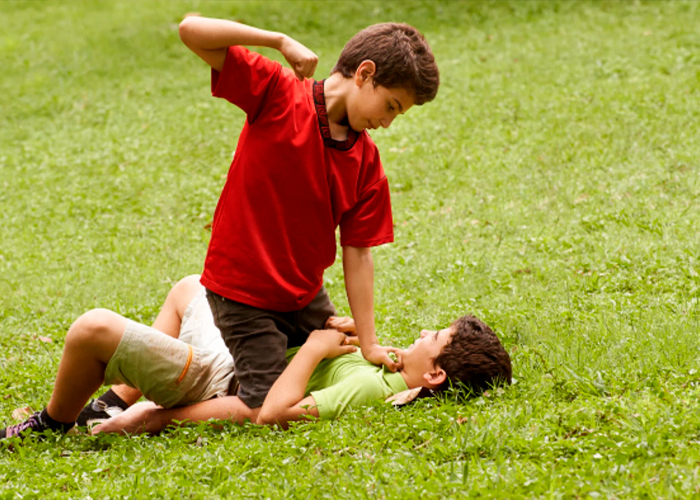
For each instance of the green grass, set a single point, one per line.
(552, 189)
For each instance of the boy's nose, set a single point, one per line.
(423, 333)
(385, 122)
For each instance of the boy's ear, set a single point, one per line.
(365, 71)
(435, 377)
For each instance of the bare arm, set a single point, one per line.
(358, 269)
(210, 38)
(286, 402)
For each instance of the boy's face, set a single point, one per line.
(419, 357)
(370, 106)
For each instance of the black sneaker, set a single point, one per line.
(96, 412)
(34, 424)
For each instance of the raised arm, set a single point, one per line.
(286, 402)
(358, 268)
(210, 38)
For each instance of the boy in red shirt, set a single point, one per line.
(304, 165)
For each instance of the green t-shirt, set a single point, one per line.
(349, 380)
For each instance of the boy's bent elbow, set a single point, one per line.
(186, 29)
(95, 330)
(266, 417)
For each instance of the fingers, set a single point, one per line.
(347, 349)
(306, 67)
(380, 355)
(399, 360)
(302, 72)
(398, 364)
(347, 325)
(335, 335)
(312, 66)
(344, 324)
(352, 340)
(389, 363)
(302, 60)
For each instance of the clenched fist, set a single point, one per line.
(301, 59)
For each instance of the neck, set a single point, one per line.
(335, 90)
(411, 381)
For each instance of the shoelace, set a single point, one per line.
(112, 411)
(99, 405)
(33, 422)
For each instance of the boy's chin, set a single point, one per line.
(352, 124)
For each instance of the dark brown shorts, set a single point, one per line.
(258, 339)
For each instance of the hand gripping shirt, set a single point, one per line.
(348, 381)
(289, 187)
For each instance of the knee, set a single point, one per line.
(90, 327)
(189, 285)
(182, 293)
(191, 280)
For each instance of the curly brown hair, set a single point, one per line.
(474, 357)
(402, 57)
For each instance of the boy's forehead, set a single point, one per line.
(447, 332)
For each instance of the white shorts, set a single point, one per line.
(174, 372)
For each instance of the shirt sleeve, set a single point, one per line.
(332, 401)
(246, 80)
(369, 223)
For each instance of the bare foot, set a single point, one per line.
(138, 419)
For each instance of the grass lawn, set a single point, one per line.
(552, 188)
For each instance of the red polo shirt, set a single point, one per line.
(289, 187)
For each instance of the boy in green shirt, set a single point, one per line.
(184, 368)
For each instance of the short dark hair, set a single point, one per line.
(402, 57)
(474, 358)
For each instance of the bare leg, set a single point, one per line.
(128, 394)
(91, 342)
(168, 321)
(149, 417)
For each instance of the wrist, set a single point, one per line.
(277, 40)
(313, 350)
(368, 344)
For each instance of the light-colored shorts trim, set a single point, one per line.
(172, 372)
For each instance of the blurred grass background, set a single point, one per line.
(551, 188)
